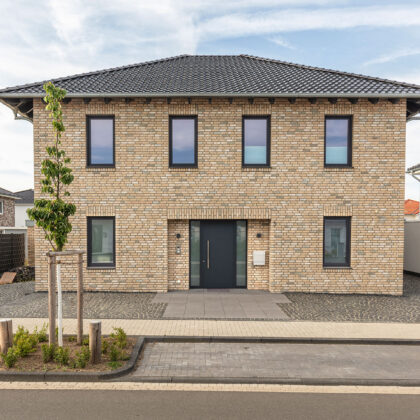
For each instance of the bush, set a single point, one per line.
(62, 356)
(114, 365)
(24, 343)
(105, 345)
(10, 358)
(41, 335)
(82, 358)
(119, 337)
(72, 339)
(85, 341)
(48, 352)
(114, 353)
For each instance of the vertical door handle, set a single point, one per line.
(208, 254)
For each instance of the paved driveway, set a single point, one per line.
(222, 304)
(278, 360)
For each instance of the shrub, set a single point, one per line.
(119, 336)
(72, 339)
(62, 356)
(85, 341)
(48, 352)
(41, 335)
(114, 365)
(10, 358)
(24, 343)
(82, 357)
(105, 345)
(114, 353)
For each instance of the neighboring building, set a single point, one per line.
(411, 210)
(230, 171)
(26, 202)
(7, 208)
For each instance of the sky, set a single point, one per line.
(43, 39)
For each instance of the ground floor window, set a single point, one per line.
(101, 241)
(337, 241)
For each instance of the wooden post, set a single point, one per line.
(51, 298)
(95, 345)
(80, 300)
(6, 335)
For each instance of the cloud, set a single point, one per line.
(407, 52)
(281, 42)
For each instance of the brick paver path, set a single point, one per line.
(278, 360)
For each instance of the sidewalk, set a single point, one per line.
(198, 328)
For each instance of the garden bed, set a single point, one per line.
(116, 350)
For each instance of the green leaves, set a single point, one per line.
(53, 214)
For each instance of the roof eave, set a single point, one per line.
(6, 95)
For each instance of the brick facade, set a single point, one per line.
(8, 216)
(286, 203)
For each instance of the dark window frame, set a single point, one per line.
(268, 147)
(349, 142)
(1, 207)
(184, 165)
(348, 242)
(89, 164)
(90, 264)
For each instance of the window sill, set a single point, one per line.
(338, 168)
(256, 168)
(101, 168)
(183, 168)
(337, 267)
(101, 268)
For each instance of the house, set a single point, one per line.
(7, 208)
(230, 171)
(26, 202)
(411, 210)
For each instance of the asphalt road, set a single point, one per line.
(121, 405)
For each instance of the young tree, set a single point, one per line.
(52, 215)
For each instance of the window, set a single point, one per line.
(336, 241)
(100, 141)
(256, 141)
(1, 207)
(183, 141)
(338, 141)
(101, 241)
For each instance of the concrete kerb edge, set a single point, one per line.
(143, 340)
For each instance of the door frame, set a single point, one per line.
(235, 250)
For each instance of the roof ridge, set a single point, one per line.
(91, 73)
(323, 69)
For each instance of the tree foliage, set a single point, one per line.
(52, 214)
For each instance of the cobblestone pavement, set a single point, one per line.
(278, 360)
(18, 300)
(357, 308)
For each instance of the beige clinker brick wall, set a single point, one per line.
(294, 194)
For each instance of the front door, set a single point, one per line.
(218, 254)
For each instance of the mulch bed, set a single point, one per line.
(34, 363)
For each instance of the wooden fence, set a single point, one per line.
(12, 251)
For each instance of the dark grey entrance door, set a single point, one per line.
(218, 254)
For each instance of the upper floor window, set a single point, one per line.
(338, 138)
(336, 241)
(101, 241)
(183, 141)
(256, 141)
(100, 141)
(1, 207)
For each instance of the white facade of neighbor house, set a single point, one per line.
(20, 214)
(412, 246)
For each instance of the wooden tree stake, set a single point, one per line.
(51, 299)
(95, 345)
(80, 300)
(6, 335)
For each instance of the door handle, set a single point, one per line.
(208, 255)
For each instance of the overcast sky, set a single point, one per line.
(45, 39)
